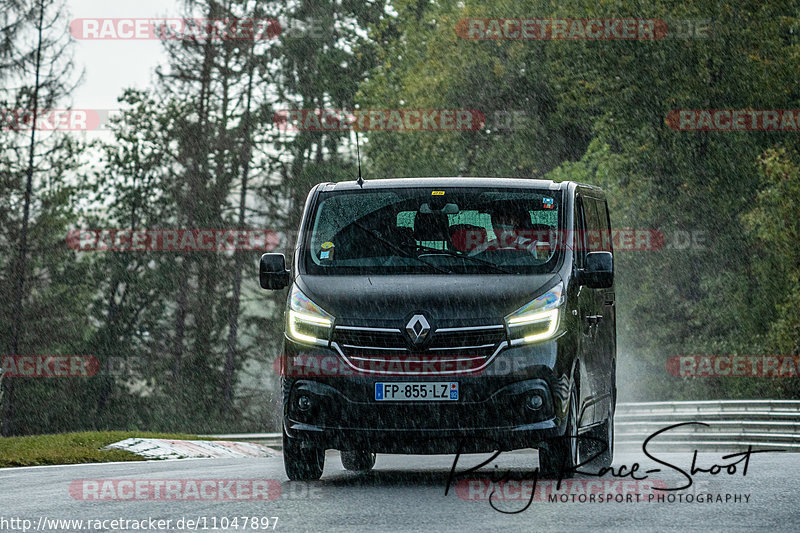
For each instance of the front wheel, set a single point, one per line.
(560, 456)
(602, 449)
(302, 463)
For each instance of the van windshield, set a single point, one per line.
(424, 230)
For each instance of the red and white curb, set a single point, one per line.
(185, 449)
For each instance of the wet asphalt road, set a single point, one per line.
(403, 493)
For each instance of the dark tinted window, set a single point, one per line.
(594, 226)
(458, 230)
(605, 225)
(579, 238)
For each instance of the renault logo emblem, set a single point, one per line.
(418, 329)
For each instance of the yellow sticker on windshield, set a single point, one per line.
(326, 245)
(437, 193)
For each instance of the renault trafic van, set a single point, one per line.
(446, 315)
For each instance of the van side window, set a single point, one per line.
(605, 225)
(593, 235)
(579, 238)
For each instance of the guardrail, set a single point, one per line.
(771, 424)
(731, 424)
(273, 440)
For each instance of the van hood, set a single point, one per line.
(449, 301)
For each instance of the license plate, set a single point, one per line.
(417, 391)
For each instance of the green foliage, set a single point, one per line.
(595, 112)
(200, 150)
(775, 224)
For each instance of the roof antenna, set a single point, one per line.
(360, 180)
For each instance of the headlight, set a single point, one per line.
(536, 320)
(308, 322)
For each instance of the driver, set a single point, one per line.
(514, 231)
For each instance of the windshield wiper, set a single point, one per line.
(394, 247)
(453, 253)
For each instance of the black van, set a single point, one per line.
(444, 315)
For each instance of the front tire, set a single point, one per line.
(302, 463)
(560, 456)
(358, 460)
(604, 432)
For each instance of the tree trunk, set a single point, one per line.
(19, 275)
(233, 316)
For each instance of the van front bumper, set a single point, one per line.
(493, 411)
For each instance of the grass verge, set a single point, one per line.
(73, 448)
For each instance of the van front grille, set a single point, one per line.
(375, 350)
(379, 339)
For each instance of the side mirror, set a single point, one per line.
(599, 271)
(272, 272)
